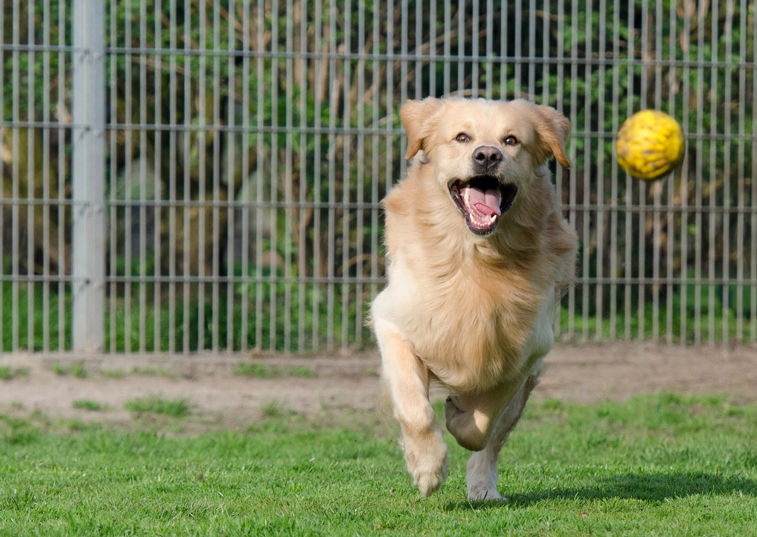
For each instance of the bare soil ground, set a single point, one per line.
(314, 385)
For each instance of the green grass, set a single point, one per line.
(8, 373)
(150, 372)
(86, 404)
(177, 408)
(267, 372)
(658, 465)
(272, 409)
(76, 369)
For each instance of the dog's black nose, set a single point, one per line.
(487, 156)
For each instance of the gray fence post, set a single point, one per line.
(88, 170)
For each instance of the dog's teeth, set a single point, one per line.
(493, 218)
(470, 216)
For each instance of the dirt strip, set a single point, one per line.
(310, 385)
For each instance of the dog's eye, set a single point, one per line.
(462, 138)
(511, 140)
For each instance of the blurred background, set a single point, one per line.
(186, 175)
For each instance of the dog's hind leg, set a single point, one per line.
(407, 381)
(482, 466)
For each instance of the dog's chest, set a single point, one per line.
(471, 335)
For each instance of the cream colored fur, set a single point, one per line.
(472, 312)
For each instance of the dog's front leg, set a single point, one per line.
(407, 380)
(482, 466)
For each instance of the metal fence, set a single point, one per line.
(189, 175)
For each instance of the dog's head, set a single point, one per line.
(484, 153)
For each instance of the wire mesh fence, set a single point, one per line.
(191, 175)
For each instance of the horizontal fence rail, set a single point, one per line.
(219, 188)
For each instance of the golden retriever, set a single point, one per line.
(479, 256)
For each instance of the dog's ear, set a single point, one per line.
(418, 119)
(554, 130)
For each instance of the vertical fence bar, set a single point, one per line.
(628, 215)
(504, 40)
(187, 186)
(143, 187)
(231, 168)
(657, 187)
(460, 84)
(448, 44)
(88, 165)
(726, 251)
(16, 181)
(331, 222)
(713, 187)
(173, 86)
(202, 224)
(546, 66)
(128, 174)
(113, 209)
(432, 23)
(518, 52)
(702, 11)
(260, 169)
(2, 181)
(489, 21)
(531, 50)
(670, 222)
(572, 178)
(246, 8)
(62, 172)
(30, 179)
(753, 217)
(643, 215)
(318, 103)
(274, 170)
(601, 214)
(46, 147)
(475, 52)
(559, 104)
(740, 200)
(614, 230)
(215, 224)
(684, 185)
(586, 198)
(288, 177)
(375, 141)
(389, 107)
(360, 220)
(202, 150)
(158, 194)
(346, 175)
(302, 265)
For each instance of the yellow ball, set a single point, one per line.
(650, 145)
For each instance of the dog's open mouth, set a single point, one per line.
(482, 200)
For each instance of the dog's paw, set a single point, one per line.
(429, 483)
(484, 494)
(427, 463)
(482, 477)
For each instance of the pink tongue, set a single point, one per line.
(486, 203)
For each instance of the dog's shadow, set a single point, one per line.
(651, 488)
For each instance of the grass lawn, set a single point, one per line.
(657, 465)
